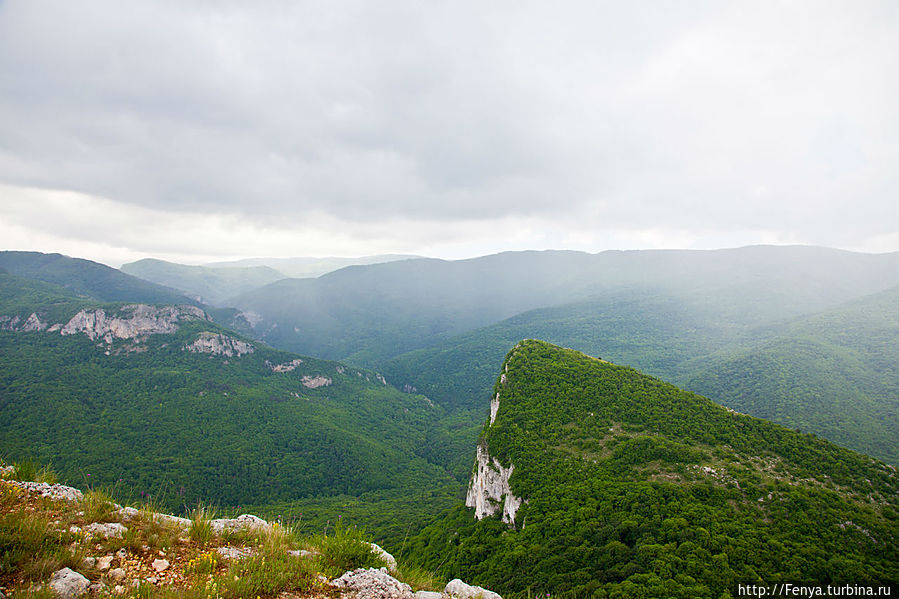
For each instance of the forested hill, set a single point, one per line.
(157, 399)
(604, 480)
(88, 279)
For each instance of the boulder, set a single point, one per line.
(106, 530)
(373, 584)
(458, 589)
(247, 522)
(388, 559)
(68, 584)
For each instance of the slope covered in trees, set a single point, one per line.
(629, 485)
(88, 279)
(832, 373)
(200, 412)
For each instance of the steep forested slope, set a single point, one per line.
(614, 482)
(88, 279)
(835, 374)
(137, 395)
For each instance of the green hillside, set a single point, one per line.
(202, 413)
(833, 374)
(632, 487)
(208, 284)
(88, 279)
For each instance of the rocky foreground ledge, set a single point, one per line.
(122, 572)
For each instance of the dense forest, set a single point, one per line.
(631, 483)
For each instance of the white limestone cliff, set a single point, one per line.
(489, 490)
(314, 382)
(217, 344)
(131, 321)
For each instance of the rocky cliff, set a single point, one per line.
(489, 490)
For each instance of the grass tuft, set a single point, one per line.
(346, 548)
(201, 524)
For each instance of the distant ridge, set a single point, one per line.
(302, 267)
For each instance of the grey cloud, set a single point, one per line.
(687, 115)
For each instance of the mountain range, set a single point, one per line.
(362, 392)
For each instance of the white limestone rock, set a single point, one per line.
(57, 492)
(68, 584)
(494, 408)
(388, 559)
(34, 323)
(285, 367)
(218, 344)
(314, 382)
(132, 321)
(106, 530)
(373, 584)
(172, 520)
(459, 590)
(242, 522)
(489, 488)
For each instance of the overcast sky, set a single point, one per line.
(204, 130)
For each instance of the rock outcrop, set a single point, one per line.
(489, 489)
(285, 367)
(373, 584)
(242, 522)
(218, 344)
(458, 589)
(131, 322)
(59, 492)
(314, 382)
(68, 584)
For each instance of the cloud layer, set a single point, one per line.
(409, 126)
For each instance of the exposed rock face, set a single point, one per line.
(286, 367)
(217, 344)
(34, 323)
(68, 584)
(489, 488)
(133, 321)
(458, 589)
(494, 408)
(373, 584)
(313, 382)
